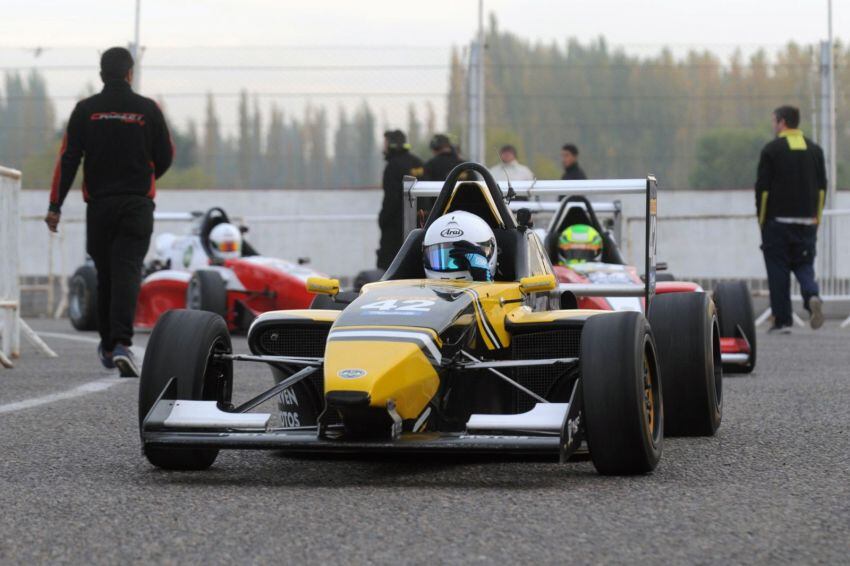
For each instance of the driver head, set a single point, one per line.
(441, 238)
(225, 242)
(579, 243)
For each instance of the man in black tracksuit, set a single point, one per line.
(123, 141)
(400, 162)
(790, 193)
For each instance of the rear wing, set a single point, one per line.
(648, 186)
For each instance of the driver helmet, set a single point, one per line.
(225, 242)
(579, 243)
(440, 240)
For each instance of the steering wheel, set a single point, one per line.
(213, 217)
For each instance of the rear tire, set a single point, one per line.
(735, 308)
(82, 298)
(688, 340)
(623, 411)
(207, 291)
(181, 346)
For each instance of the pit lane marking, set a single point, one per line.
(80, 390)
(84, 389)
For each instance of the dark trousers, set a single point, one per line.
(118, 232)
(789, 248)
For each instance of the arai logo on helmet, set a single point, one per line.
(452, 232)
(351, 373)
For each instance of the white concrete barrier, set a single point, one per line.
(336, 229)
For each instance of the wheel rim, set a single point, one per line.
(652, 411)
(193, 295)
(648, 402)
(75, 309)
(217, 374)
(718, 363)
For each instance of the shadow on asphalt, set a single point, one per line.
(387, 470)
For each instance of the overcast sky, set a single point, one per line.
(416, 22)
(339, 32)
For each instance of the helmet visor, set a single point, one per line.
(582, 254)
(228, 246)
(436, 257)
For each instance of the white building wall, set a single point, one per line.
(723, 243)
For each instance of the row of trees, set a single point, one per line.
(266, 151)
(696, 121)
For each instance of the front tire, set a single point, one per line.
(182, 346)
(688, 339)
(735, 310)
(82, 298)
(207, 291)
(623, 413)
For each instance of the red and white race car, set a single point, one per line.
(184, 274)
(595, 284)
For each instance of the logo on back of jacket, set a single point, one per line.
(125, 117)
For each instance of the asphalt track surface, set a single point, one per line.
(773, 487)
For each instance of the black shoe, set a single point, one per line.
(775, 329)
(105, 357)
(125, 361)
(816, 310)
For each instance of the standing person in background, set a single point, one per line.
(509, 167)
(444, 160)
(123, 141)
(400, 162)
(438, 167)
(790, 194)
(569, 157)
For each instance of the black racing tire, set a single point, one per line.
(181, 346)
(367, 276)
(687, 336)
(207, 291)
(82, 298)
(735, 309)
(664, 277)
(623, 409)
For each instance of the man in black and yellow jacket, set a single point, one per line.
(790, 193)
(123, 142)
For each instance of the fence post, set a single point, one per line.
(10, 290)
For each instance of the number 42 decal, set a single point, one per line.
(404, 306)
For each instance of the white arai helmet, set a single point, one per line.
(441, 237)
(225, 242)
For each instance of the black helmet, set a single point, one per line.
(395, 139)
(440, 141)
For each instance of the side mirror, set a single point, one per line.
(323, 286)
(407, 182)
(661, 266)
(523, 218)
(537, 284)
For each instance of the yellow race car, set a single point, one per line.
(417, 365)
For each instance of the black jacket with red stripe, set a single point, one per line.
(123, 141)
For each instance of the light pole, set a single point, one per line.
(135, 48)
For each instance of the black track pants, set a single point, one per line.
(118, 232)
